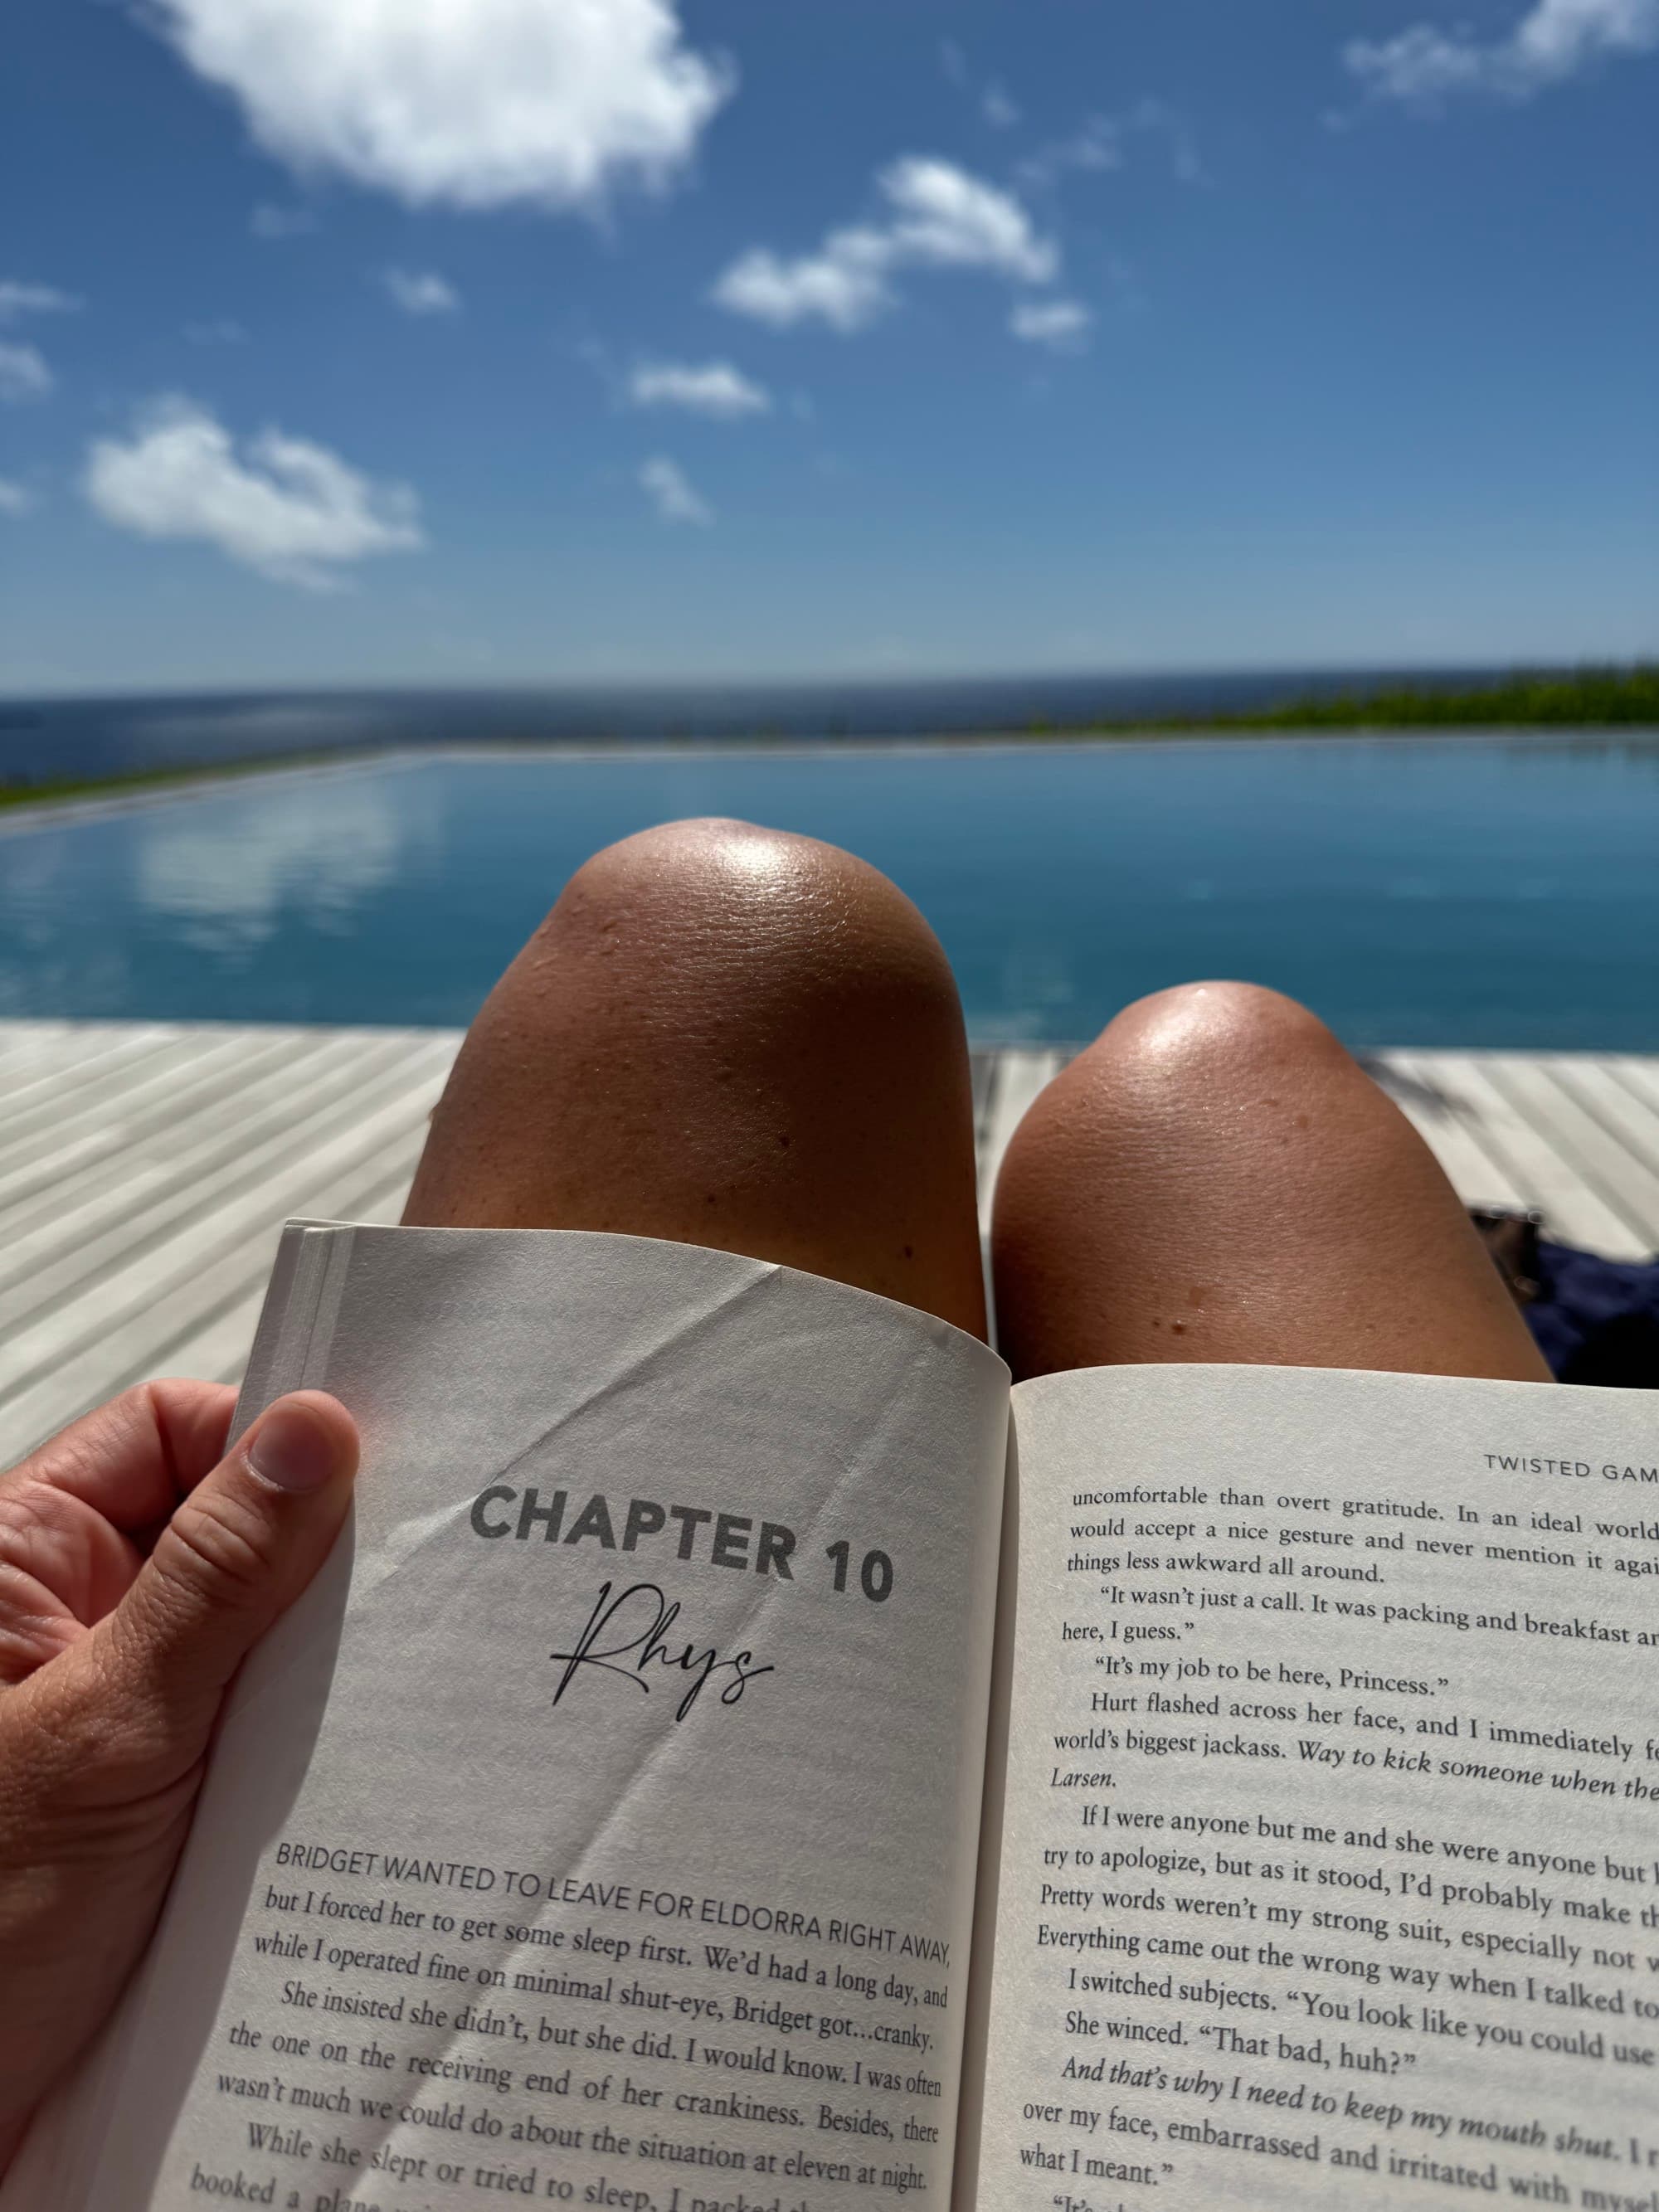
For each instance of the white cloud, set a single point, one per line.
(16, 499)
(1423, 66)
(421, 291)
(939, 217)
(464, 103)
(670, 490)
(715, 388)
(843, 284)
(23, 375)
(224, 330)
(1061, 325)
(18, 299)
(269, 221)
(1103, 143)
(948, 217)
(291, 509)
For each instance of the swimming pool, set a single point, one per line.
(1472, 892)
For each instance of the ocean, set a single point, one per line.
(46, 738)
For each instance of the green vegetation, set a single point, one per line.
(144, 779)
(1586, 698)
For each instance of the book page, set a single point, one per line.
(1329, 1866)
(599, 1829)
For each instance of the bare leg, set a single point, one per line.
(1215, 1179)
(725, 1036)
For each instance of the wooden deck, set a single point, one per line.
(145, 1169)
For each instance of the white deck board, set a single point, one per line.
(1016, 1079)
(1550, 1178)
(1566, 1107)
(146, 1167)
(1480, 1176)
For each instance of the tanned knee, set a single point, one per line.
(1170, 1062)
(772, 910)
(729, 1036)
(1189, 1038)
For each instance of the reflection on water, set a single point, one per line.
(287, 859)
(1466, 893)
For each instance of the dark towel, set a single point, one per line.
(1595, 1319)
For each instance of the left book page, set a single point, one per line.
(599, 1828)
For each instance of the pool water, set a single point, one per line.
(1469, 891)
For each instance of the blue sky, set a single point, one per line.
(512, 340)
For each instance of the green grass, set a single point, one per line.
(143, 779)
(1599, 698)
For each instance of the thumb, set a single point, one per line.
(239, 1550)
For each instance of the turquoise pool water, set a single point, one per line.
(1496, 891)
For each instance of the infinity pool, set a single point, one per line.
(1474, 891)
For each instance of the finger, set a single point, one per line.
(236, 1553)
(133, 1459)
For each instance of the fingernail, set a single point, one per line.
(292, 1450)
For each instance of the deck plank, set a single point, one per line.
(108, 1194)
(1017, 1078)
(1543, 1089)
(1550, 1178)
(211, 1165)
(146, 1167)
(72, 1357)
(113, 1088)
(1418, 1085)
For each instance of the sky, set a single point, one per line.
(517, 341)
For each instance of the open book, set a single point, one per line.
(700, 1782)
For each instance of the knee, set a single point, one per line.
(764, 906)
(1202, 1039)
(1175, 1077)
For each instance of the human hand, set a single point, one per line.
(139, 1563)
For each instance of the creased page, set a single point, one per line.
(599, 1828)
(1329, 1871)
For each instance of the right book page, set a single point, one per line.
(1327, 1857)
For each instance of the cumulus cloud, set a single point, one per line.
(16, 499)
(462, 103)
(289, 509)
(421, 291)
(715, 388)
(670, 491)
(17, 300)
(23, 375)
(843, 284)
(1060, 325)
(939, 216)
(945, 216)
(1423, 66)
